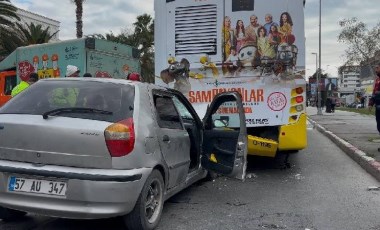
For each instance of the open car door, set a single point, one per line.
(225, 136)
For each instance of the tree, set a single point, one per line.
(142, 38)
(362, 43)
(31, 34)
(79, 14)
(7, 12)
(23, 35)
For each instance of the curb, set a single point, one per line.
(368, 163)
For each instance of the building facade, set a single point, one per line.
(28, 17)
(350, 81)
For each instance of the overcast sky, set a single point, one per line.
(103, 16)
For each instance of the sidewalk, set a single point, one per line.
(354, 133)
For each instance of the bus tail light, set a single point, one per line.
(299, 90)
(299, 99)
(120, 138)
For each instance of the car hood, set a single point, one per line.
(54, 141)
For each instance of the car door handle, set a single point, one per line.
(165, 138)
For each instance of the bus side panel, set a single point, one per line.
(109, 65)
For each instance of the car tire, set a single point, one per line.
(148, 209)
(7, 214)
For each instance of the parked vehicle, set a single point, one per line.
(101, 58)
(122, 149)
(356, 105)
(7, 82)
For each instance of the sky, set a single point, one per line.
(104, 16)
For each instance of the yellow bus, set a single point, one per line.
(255, 47)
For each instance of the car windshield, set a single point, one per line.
(78, 99)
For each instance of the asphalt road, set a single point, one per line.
(323, 189)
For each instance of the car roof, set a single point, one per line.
(110, 80)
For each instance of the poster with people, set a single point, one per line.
(330, 86)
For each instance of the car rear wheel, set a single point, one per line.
(148, 209)
(7, 214)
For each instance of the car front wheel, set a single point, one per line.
(148, 209)
(7, 214)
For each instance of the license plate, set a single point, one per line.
(29, 185)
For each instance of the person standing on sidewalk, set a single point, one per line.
(375, 99)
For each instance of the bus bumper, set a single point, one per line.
(291, 137)
(294, 136)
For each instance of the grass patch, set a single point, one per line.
(364, 111)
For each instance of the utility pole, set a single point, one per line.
(319, 111)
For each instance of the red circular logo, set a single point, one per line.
(277, 101)
(24, 69)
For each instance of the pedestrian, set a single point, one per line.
(33, 77)
(134, 76)
(328, 105)
(362, 101)
(333, 104)
(375, 99)
(72, 71)
(87, 75)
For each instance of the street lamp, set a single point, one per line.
(319, 111)
(317, 70)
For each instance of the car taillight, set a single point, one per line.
(120, 138)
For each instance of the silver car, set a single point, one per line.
(97, 148)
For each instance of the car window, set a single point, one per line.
(227, 114)
(168, 116)
(45, 96)
(183, 111)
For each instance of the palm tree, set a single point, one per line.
(31, 34)
(7, 12)
(143, 39)
(23, 35)
(79, 14)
